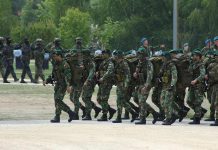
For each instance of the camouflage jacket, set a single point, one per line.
(8, 52)
(213, 72)
(145, 72)
(197, 69)
(122, 73)
(89, 70)
(26, 52)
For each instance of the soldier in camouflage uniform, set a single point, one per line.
(105, 84)
(196, 91)
(8, 58)
(144, 75)
(62, 75)
(38, 51)
(89, 83)
(213, 83)
(168, 80)
(26, 54)
(145, 45)
(121, 71)
(2, 69)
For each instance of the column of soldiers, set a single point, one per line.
(36, 50)
(167, 74)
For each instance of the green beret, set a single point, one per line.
(197, 52)
(118, 53)
(166, 54)
(215, 38)
(215, 53)
(143, 51)
(210, 52)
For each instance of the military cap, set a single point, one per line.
(197, 52)
(57, 39)
(117, 53)
(165, 54)
(207, 41)
(186, 44)
(215, 38)
(143, 51)
(38, 40)
(143, 39)
(174, 51)
(78, 38)
(210, 52)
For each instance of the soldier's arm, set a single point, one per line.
(202, 74)
(67, 73)
(150, 74)
(174, 75)
(110, 71)
(91, 71)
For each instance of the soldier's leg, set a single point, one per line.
(212, 107)
(7, 72)
(36, 73)
(214, 96)
(190, 98)
(28, 71)
(74, 97)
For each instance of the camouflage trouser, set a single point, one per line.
(9, 69)
(26, 69)
(167, 101)
(155, 97)
(59, 93)
(180, 93)
(121, 102)
(103, 96)
(142, 102)
(195, 99)
(211, 100)
(74, 97)
(87, 95)
(214, 97)
(2, 68)
(39, 71)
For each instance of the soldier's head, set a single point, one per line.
(2, 40)
(208, 43)
(142, 54)
(215, 40)
(117, 55)
(186, 48)
(57, 55)
(144, 42)
(210, 54)
(174, 53)
(196, 55)
(26, 41)
(8, 40)
(38, 42)
(166, 56)
(57, 42)
(78, 41)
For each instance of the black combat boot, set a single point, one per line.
(111, 113)
(103, 118)
(76, 116)
(196, 120)
(141, 121)
(215, 123)
(155, 117)
(87, 117)
(56, 119)
(71, 115)
(126, 115)
(161, 116)
(83, 110)
(22, 81)
(211, 118)
(182, 114)
(16, 79)
(118, 120)
(134, 115)
(174, 118)
(97, 111)
(186, 110)
(5, 81)
(167, 122)
(203, 112)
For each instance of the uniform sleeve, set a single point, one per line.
(127, 73)
(91, 71)
(202, 73)
(150, 73)
(67, 73)
(110, 71)
(174, 75)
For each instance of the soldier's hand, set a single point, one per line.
(135, 75)
(100, 80)
(69, 89)
(144, 90)
(193, 82)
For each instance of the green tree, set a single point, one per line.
(74, 24)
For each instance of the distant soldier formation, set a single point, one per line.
(163, 74)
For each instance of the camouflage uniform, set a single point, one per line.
(213, 83)
(39, 58)
(105, 73)
(169, 80)
(62, 75)
(26, 54)
(8, 58)
(2, 69)
(196, 92)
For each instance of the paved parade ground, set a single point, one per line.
(25, 111)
